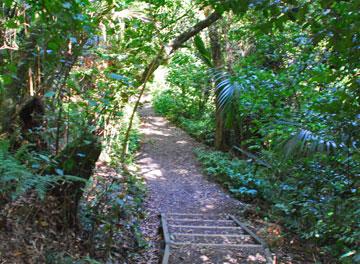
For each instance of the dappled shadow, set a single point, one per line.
(175, 181)
(172, 173)
(203, 255)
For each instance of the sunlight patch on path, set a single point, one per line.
(173, 176)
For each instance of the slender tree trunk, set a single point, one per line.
(152, 67)
(156, 62)
(31, 82)
(39, 90)
(218, 61)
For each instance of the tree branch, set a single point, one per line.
(157, 61)
(178, 42)
(182, 38)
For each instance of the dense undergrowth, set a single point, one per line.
(291, 127)
(276, 82)
(186, 98)
(109, 214)
(112, 207)
(63, 104)
(314, 204)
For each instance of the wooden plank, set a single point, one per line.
(206, 227)
(210, 235)
(165, 228)
(202, 220)
(240, 226)
(269, 258)
(215, 245)
(190, 214)
(184, 214)
(166, 255)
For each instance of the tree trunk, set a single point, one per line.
(77, 159)
(218, 61)
(162, 56)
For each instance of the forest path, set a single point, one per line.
(174, 178)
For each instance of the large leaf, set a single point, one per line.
(227, 90)
(307, 142)
(204, 53)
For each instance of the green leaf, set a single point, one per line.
(205, 54)
(92, 102)
(49, 94)
(117, 77)
(59, 172)
(53, 46)
(66, 5)
(350, 253)
(43, 157)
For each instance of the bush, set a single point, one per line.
(200, 127)
(308, 197)
(16, 178)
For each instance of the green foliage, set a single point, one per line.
(71, 55)
(310, 199)
(111, 214)
(20, 172)
(235, 174)
(63, 258)
(204, 53)
(111, 211)
(16, 178)
(201, 127)
(290, 109)
(187, 101)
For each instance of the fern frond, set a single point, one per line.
(16, 179)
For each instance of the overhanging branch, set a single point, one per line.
(158, 60)
(177, 43)
(183, 37)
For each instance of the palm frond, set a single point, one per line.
(307, 142)
(204, 53)
(130, 14)
(226, 89)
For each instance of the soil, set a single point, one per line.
(174, 178)
(176, 184)
(173, 174)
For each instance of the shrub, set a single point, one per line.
(308, 197)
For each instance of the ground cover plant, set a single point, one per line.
(285, 105)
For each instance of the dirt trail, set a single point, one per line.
(172, 173)
(174, 177)
(176, 184)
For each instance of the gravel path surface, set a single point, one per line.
(174, 178)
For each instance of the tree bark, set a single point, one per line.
(182, 38)
(221, 136)
(78, 159)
